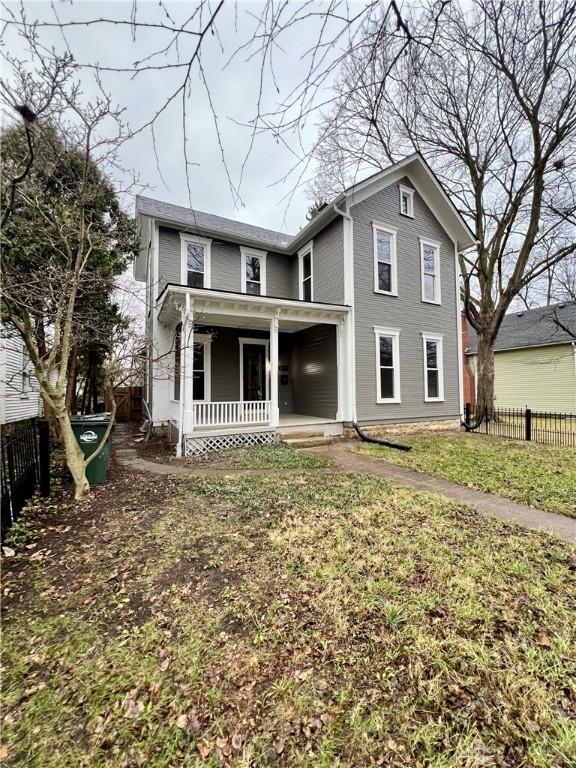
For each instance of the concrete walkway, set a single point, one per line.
(485, 503)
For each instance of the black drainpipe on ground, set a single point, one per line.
(363, 436)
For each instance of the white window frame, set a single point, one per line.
(253, 253)
(394, 334)
(437, 288)
(186, 238)
(409, 193)
(439, 339)
(308, 249)
(206, 340)
(391, 232)
(265, 343)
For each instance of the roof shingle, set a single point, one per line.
(533, 328)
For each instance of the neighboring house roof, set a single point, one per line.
(533, 328)
(414, 166)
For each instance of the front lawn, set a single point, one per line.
(311, 620)
(538, 475)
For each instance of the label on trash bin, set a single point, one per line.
(88, 437)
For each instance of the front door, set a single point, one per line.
(254, 372)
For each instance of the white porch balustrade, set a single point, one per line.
(224, 414)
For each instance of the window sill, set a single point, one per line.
(431, 301)
(434, 400)
(407, 215)
(386, 293)
(380, 401)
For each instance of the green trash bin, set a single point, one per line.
(89, 431)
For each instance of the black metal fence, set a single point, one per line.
(25, 466)
(544, 427)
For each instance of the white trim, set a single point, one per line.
(264, 342)
(394, 334)
(460, 350)
(206, 340)
(307, 249)
(254, 253)
(349, 342)
(384, 229)
(186, 238)
(439, 339)
(409, 193)
(437, 285)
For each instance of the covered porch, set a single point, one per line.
(250, 364)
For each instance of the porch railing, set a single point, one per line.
(225, 414)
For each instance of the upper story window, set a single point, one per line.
(430, 264)
(406, 201)
(253, 271)
(387, 365)
(433, 367)
(305, 291)
(195, 261)
(385, 273)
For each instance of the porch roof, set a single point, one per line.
(228, 308)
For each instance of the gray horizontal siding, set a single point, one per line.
(407, 311)
(328, 264)
(226, 267)
(314, 372)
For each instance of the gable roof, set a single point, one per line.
(414, 166)
(208, 223)
(533, 328)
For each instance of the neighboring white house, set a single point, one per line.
(19, 391)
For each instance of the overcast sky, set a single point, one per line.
(234, 91)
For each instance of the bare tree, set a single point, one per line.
(66, 234)
(492, 106)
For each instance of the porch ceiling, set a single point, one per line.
(243, 311)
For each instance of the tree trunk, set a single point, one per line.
(74, 454)
(485, 377)
(71, 382)
(50, 416)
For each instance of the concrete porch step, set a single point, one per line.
(307, 441)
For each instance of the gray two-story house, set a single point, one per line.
(353, 319)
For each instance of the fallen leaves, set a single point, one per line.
(204, 747)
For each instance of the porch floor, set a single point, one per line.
(301, 420)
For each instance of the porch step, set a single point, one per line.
(300, 434)
(306, 442)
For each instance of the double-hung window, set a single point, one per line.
(385, 280)
(406, 201)
(430, 268)
(305, 273)
(195, 257)
(387, 365)
(253, 272)
(433, 367)
(200, 359)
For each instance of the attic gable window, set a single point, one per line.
(253, 271)
(406, 201)
(195, 261)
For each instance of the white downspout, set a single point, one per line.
(350, 363)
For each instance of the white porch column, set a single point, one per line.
(188, 367)
(341, 371)
(274, 409)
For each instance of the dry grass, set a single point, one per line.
(540, 476)
(305, 620)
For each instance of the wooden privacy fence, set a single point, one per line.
(25, 463)
(128, 404)
(546, 427)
